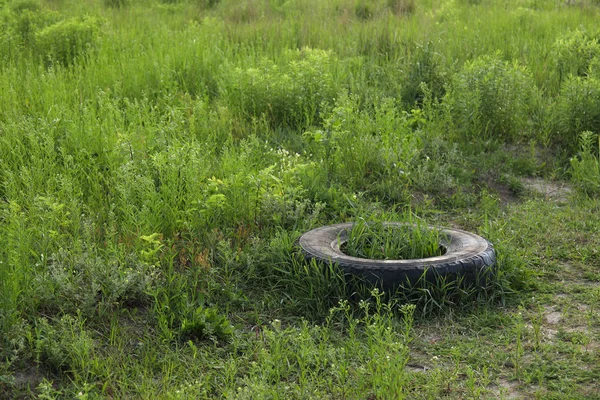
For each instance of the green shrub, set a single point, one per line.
(66, 41)
(363, 10)
(383, 151)
(574, 52)
(440, 167)
(204, 323)
(19, 22)
(578, 110)
(585, 169)
(64, 345)
(291, 93)
(594, 68)
(425, 67)
(91, 284)
(183, 316)
(491, 99)
(348, 145)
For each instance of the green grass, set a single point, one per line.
(159, 159)
(381, 241)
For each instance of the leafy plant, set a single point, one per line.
(424, 68)
(66, 41)
(19, 22)
(64, 345)
(585, 168)
(204, 323)
(92, 285)
(181, 315)
(578, 110)
(491, 99)
(290, 94)
(574, 52)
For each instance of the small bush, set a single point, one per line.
(91, 285)
(183, 316)
(287, 94)
(594, 68)
(578, 110)
(363, 10)
(351, 152)
(490, 98)
(19, 22)
(204, 323)
(19, 6)
(63, 346)
(424, 68)
(585, 169)
(64, 42)
(440, 167)
(574, 52)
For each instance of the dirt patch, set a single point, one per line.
(557, 191)
(507, 390)
(27, 379)
(554, 318)
(415, 368)
(505, 193)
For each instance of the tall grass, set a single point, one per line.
(158, 159)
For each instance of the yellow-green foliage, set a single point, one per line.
(586, 167)
(290, 93)
(574, 52)
(578, 110)
(491, 98)
(19, 22)
(67, 40)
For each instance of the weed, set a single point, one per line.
(578, 110)
(291, 94)
(205, 323)
(20, 21)
(63, 346)
(585, 171)
(184, 317)
(492, 99)
(574, 52)
(425, 68)
(92, 285)
(66, 41)
(363, 10)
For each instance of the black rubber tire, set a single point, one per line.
(468, 257)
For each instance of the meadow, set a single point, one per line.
(159, 160)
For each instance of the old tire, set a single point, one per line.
(467, 258)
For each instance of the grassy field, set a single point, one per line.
(160, 158)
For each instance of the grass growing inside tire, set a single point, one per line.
(382, 241)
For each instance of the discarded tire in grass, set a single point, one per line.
(466, 257)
